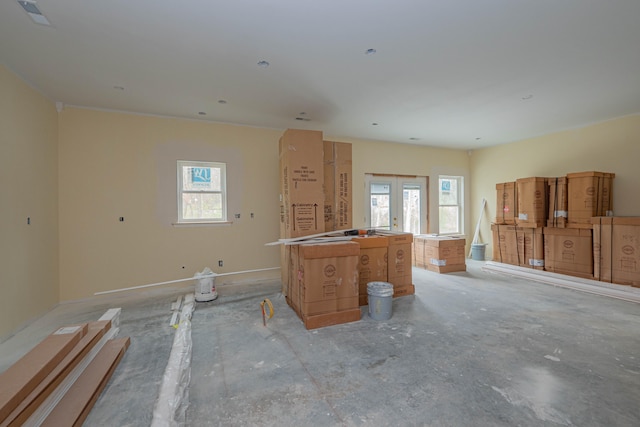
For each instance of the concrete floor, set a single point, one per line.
(469, 349)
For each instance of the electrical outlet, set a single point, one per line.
(121, 219)
(251, 214)
(237, 216)
(220, 263)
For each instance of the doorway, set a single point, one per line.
(396, 203)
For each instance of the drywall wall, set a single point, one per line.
(116, 165)
(377, 157)
(611, 146)
(29, 189)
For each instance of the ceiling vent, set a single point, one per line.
(34, 13)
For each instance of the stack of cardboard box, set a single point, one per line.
(564, 206)
(315, 188)
(517, 237)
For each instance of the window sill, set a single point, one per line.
(201, 223)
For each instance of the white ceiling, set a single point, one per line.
(451, 73)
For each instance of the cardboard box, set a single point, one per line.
(328, 277)
(338, 178)
(21, 378)
(558, 199)
(301, 183)
(400, 259)
(616, 250)
(569, 251)
(372, 264)
(532, 202)
(590, 195)
(507, 203)
(441, 254)
(401, 291)
(521, 246)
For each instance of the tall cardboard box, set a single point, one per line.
(441, 254)
(590, 195)
(327, 280)
(505, 244)
(521, 246)
(507, 203)
(532, 202)
(399, 264)
(337, 185)
(569, 251)
(558, 208)
(372, 264)
(616, 250)
(301, 183)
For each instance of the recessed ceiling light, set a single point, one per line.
(370, 52)
(221, 101)
(526, 97)
(374, 124)
(263, 64)
(303, 119)
(118, 87)
(302, 113)
(414, 139)
(478, 138)
(202, 113)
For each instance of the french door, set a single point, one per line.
(396, 203)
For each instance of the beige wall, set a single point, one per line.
(122, 165)
(29, 188)
(612, 146)
(115, 165)
(405, 159)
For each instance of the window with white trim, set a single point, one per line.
(450, 192)
(202, 192)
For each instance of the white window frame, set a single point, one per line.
(223, 190)
(459, 204)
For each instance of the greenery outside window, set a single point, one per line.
(202, 194)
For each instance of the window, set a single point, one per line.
(202, 193)
(450, 204)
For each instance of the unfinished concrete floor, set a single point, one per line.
(469, 349)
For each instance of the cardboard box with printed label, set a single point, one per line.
(507, 203)
(569, 251)
(337, 185)
(301, 183)
(616, 250)
(327, 279)
(399, 264)
(590, 195)
(372, 264)
(521, 246)
(532, 202)
(441, 254)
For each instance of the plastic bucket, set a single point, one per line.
(380, 300)
(477, 251)
(206, 288)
